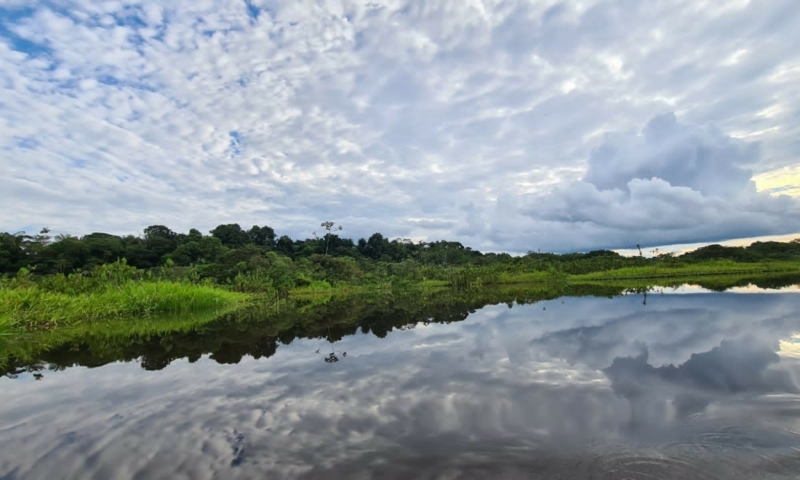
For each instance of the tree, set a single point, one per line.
(103, 247)
(204, 250)
(377, 245)
(158, 231)
(64, 256)
(34, 245)
(329, 227)
(159, 241)
(231, 235)
(138, 255)
(285, 245)
(12, 252)
(262, 236)
(194, 235)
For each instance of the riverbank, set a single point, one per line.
(709, 268)
(713, 275)
(258, 329)
(29, 305)
(35, 307)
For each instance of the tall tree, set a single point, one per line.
(103, 247)
(285, 245)
(12, 252)
(262, 236)
(160, 241)
(231, 235)
(329, 227)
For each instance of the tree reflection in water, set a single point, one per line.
(331, 357)
(258, 332)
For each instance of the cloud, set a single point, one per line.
(518, 388)
(430, 223)
(670, 183)
(704, 160)
(119, 115)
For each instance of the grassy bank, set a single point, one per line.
(258, 327)
(718, 283)
(116, 290)
(33, 306)
(719, 267)
(719, 272)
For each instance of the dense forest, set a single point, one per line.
(258, 255)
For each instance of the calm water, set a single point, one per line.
(690, 385)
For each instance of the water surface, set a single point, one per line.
(686, 385)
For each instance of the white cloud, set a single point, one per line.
(670, 183)
(119, 115)
(523, 385)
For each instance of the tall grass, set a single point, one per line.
(5, 325)
(717, 267)
(33, 306)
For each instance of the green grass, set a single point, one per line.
(5, 326)
(719, 267)
(527, 277)
(429, 283)
(660, 274)
(104, 334)
(324, 289)
(34, 307)
(717, 282)
(42, 305)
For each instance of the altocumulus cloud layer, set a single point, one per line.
(508, 125)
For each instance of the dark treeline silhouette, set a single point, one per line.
(230, 251)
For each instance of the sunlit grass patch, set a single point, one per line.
(718, 267)
(32, 306)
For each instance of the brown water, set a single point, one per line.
(692, 385)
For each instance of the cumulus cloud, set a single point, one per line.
(702, 159)
(376, 114)
(666, 184)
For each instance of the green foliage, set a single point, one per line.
(262, 236)
(231, 235)
(253, 261)
(335, 270)
(257, 330)
(201, 250)
(5, 325)
(107, 291)
(37, 307)
(710, 267)
(255, 281)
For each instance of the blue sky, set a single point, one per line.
(508, 125)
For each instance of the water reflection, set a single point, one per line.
(686, 386)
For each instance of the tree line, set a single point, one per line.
(229, 251)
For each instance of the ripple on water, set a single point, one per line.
(707, 450)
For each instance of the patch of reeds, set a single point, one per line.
(33, 306)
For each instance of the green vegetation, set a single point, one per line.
(48, 281)
(691, 270)
(713, 282)
(111, 291)
(258, 330)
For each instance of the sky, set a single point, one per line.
(508, 125)
(680, 249)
